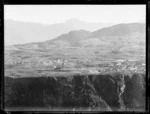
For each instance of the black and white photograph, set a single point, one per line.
(75, 58)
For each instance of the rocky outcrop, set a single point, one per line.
(92, 92)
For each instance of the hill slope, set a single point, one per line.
(19, 32)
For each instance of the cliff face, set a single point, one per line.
(92, 92)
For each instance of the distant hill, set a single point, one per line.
(121, 37)
(133, 33)
(19, 32)
(73, 37)
(120, 30)
(121, 34)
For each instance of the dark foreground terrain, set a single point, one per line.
(79, 92)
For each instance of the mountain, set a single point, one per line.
(121, 34)
(19, 32)
(116, 36)
(73, 37)
(120, 30)
(132, 33)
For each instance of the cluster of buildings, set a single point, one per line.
(126, 65)
(119, 65)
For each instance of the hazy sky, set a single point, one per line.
(49, 14)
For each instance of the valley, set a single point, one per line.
(103, 70)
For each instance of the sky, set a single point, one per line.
(50, 14)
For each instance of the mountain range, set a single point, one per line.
(121, 41)
(19, 32)
(132, 34)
